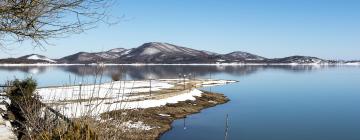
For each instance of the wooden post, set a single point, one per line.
(184, 123)
(226, 126)
(184, 81)
(190, 82)
(179, 78)
(150, 87)
(80, 84)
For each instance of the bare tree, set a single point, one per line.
(39, 20)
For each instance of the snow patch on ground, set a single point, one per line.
(164, 115)
(5, 128)
(139, 125)
(209, 82)
(97, 107)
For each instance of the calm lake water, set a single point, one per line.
(269, 102)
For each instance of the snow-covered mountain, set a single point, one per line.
(166, 53)
(153, 52)
(85, 57)
(353, 62)
(37, 57)
(299, 60)
(157, 48)
(239, 56)
(156, 52)
(28, 59)
(81, 57)
(112, 54)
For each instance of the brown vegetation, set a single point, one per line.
(32, 119)
(160, 123)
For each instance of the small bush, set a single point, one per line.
(32, 120)
(23, 104)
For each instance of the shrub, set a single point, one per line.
(23, 104)
(31, 119)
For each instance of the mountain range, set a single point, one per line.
(166, 53)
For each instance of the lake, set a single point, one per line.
(269, 102)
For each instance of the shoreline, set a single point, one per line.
(147, 118)
(150, 123)
(91, 100)
(190, 64)
(160, 119)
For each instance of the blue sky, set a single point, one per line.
(271, 28)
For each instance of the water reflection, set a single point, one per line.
(284, 102)
(143, 72)
(60, 75)
(27, 69)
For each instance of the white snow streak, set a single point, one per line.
(36, 57)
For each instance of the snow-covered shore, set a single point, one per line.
(80, 100)
(92, 100)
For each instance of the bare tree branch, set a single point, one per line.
(39, 20)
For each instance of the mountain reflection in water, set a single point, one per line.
(146, 71)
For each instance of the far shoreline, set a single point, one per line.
(190, 64)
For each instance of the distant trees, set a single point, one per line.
(39, 20)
